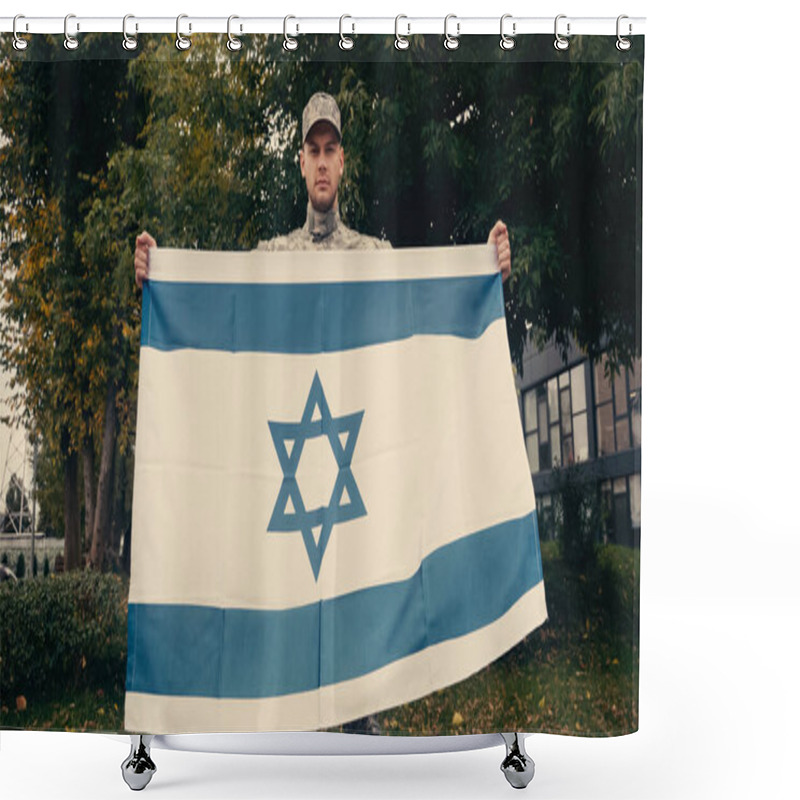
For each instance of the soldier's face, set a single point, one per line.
(322, 165)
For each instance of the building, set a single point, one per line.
(572, 414)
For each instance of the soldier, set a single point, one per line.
(322, 166)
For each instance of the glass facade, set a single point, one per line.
(618, 408)
(621, 509)
(558, 433)
(555, 421)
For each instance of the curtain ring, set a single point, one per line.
(507, 42)
(288, 42)
(19, 42)
(345, 42)
(129, 42)
(400, 42)
(623, 44)
(561, 43)
(451, 42)
(233, 43)
(70, 42)
(181, 41)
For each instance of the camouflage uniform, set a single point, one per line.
(324, 231)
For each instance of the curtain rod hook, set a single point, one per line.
(400, 42)
(181, 41)
(507, 42)
(19, 42)
(233, 43)
(70, 42)
(623, 44)
(561, 42)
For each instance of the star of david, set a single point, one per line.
(290, 514)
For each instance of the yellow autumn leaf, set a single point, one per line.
(541, 702)
(22, 703)
(457, 719)
(578, 726)
(83, 662)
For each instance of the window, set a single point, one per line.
(635, 487)
(620, 500)
(554, 419)
(545, 514)
(618, 408)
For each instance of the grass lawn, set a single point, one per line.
(578, 673)
(88, 710)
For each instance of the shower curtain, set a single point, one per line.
(326, 367)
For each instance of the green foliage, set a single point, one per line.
(62, 634)
(46, 572)
(20, 570)
(202, 151)
(62, 334)
(4, 559)
(577, 516)
(50, 489)
(434, 155)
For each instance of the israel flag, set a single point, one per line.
(333, 511)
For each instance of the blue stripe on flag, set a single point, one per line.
(242, 653)
(315, 318)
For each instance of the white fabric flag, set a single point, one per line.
(333, 511)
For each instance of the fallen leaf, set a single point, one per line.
(22, 703)
(457, 719)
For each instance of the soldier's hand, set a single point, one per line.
(141, 260)
(498, 236)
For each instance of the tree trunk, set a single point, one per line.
(118, 521)
(72, 527)
(105, 482)
(126, 551)
(87, 458)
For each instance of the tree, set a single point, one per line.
(434, 154)
(200, 148)
(59, 123)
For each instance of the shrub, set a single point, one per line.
(20, 573)
(46, 570)
(4, 559)
(577, 516)
(64, 634)
(35, 565)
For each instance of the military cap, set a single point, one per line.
(321, 108)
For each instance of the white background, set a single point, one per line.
(720, 606)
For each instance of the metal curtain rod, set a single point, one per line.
(408, 26)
